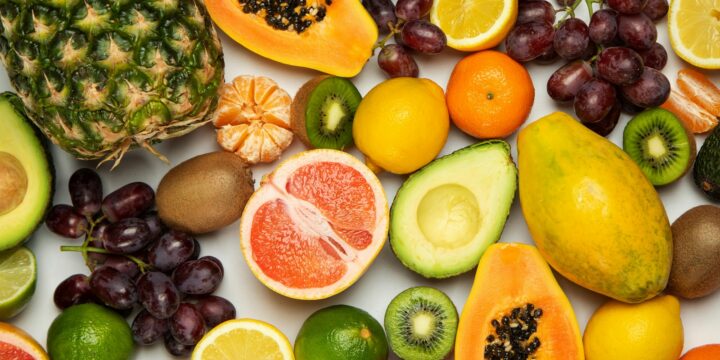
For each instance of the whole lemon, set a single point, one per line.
(401, 124)
(651, 330)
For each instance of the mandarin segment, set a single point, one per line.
(700, 90)
(253, 119)
(695, 117)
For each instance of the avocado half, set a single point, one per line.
(446, 214)
(26, 173)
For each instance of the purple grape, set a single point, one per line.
(571, 39)
(127, 236)
(175, 348)
(627, 6)
(187, 325)
(594, 100)
(412, 9)
(603, 27)
(529, 41)
(113, 288)
(422, 36)
(147, 329)
(197, 277)
(154, 224)
(651, 90)
(565, 3)
(123, 265)
(128, 201)
(72, 291)
(86, 191)
(172, 249)
(547, 58)
(656, 9)
(637, 31)
(619, 65)
(99, 235)
(158, 294)
(566, 81)
(215, 310)
(65, 221)
(383, 12)
(628, 107)
(605, 126)
(655, 57)
(196, 250)
(535, 11)
(396, 62)
(216, 261)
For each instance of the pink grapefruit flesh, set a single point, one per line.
(314, 225)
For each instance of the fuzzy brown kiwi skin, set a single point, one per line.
(696, 253)
(299, 106)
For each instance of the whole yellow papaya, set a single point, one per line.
(593, 214)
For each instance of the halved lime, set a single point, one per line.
(18, 276)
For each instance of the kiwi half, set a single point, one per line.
(660, 144)
(322, 112)
(421, 323)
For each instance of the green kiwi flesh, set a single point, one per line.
(323, 110)
(421, 323)
(660, 144)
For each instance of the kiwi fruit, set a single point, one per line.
(205, 193)
(421, 323)
(660, 144)
(695, 268)
(322, 112)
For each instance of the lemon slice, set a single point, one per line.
(472, 25)
(694, 28)
(243, 339)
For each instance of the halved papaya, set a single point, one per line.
(335, 37)
(517, 310)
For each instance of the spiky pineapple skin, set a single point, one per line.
(101, 76)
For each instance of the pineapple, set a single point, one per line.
(102, 76)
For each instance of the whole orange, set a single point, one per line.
(706, 352)
(489, 95)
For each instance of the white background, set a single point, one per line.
(386, 277)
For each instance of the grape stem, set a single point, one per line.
(89, 237)
(394, 29)
(589, 4)
(569, 11)
(85, 249)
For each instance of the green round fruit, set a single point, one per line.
(89, 331)
(341, 332)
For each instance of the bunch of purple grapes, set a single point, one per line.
(612, 65)
(136, 260)
(407, 23)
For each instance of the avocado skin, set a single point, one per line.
(706, 170)
(19, 108)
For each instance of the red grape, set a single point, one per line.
(422, 36)
(637, 31)
(535, 11)
(187, 325)
(571, 39)
(605, 126)
(172, 249)
(147, 329)
(594, 100)
(154, 224)
(651, 90)
(566, 81)
(215, 310)
(123, 265)
(603, 27)
(127, 236)
(72, 291)
(113, 288)
(412, 9)
(65, 221)
(619, 65)
(654, 57)
(396, 62)
(197, 277)
(627, 6)
(216, 261)
(128, 201)
(158, 294)
(382, 11)
(656, 9)
(86, 192)
(529, 41)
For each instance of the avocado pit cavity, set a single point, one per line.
(13, 182)
(449, 216)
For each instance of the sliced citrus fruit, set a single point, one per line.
(694, 28)
(16, 344)
(18, 277)
(314, 225)
(695, 117)
(253, 118)
(243, 339)
(472, 25)
(698, 87)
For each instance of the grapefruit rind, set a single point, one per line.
(267, 192)
(17, 337)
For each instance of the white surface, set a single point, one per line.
(386, 277)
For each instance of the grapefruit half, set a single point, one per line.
(314, 225)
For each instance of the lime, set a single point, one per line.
(18, 276)
(89, 331)
(341, 332)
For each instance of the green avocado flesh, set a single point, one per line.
(446, 214)
(26, 174)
